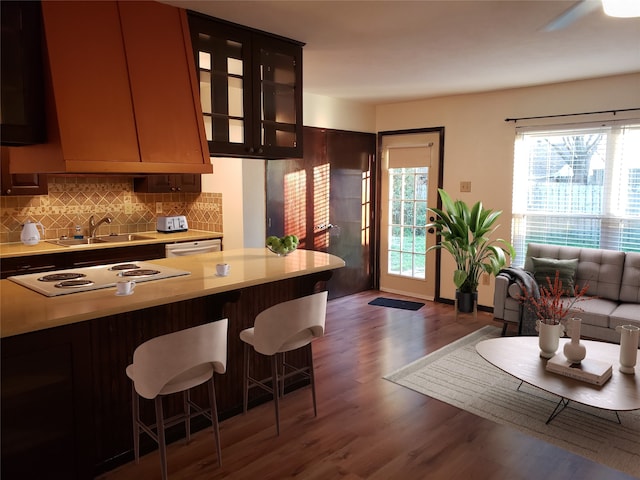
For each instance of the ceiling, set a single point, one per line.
(387, 51)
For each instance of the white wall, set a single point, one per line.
(479, 143)
(242, 181)
(226, 179)
(326, 112)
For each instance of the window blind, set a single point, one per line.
(577, 185)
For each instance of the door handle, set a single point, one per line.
(326, 226)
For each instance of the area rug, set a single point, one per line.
(393, 303)
(459, 376)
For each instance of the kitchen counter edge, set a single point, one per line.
(24, 311)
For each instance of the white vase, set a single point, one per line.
(574, 351)
(629, 335)
(548, 338)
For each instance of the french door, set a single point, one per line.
(410, 166)
(325, 199)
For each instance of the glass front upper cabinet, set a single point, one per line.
(250, 90)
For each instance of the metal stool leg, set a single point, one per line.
(312, 377)
(186, 399)
(245, 397)
(274, 385)
(161, 440)
(214, 418)
(135, 404)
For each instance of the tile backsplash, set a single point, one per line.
(73, 199)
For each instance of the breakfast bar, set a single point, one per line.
(65, 395)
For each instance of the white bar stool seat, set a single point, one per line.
(282, 328)
(174, 363)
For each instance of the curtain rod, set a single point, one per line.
(571, 114)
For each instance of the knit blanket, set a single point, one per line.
(527, 283)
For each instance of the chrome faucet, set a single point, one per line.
(93, 226)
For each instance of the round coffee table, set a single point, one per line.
(520, 357)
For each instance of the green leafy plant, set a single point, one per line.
(465, 233)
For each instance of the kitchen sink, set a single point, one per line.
(70, 242)
(124, 237)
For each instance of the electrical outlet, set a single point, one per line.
(465, 187)
(485, 279)
(128, 208)
(158, 207)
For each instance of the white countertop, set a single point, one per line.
(23, 310)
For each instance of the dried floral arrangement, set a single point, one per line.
(549, 307)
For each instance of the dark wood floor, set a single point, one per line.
(368, 427)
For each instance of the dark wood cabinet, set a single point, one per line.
(22, 83)
(46, 404)
(79, 258)
(100, 256)
(121, 92)
(20, 183)
(32, 264)
(250, 89)
(185, 183)
(66, 400)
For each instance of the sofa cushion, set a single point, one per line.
(593, 311)
(545, 269)
(630, 289)
(625, 314)
(601, 270)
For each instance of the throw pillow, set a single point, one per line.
(544, 268)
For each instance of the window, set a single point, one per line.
(577, 186)
(407, 217)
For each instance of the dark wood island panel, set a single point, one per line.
(69, 384)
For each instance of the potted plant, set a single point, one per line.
(466, 234)
(548, 305)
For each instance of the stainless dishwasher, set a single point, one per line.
(192, 248)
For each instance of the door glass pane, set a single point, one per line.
(408, 216)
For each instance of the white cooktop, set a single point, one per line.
(75, 280)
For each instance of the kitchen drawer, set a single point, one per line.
(79, 258)
(88, 258)
(31, 264)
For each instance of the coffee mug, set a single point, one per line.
(222, 269)
(125, 287)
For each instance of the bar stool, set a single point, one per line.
(279, 329)
(174, 363)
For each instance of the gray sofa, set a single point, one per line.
(614, 283)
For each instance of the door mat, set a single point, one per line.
(393, 303)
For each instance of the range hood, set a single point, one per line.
(121, 92)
